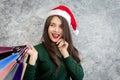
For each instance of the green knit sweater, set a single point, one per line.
(45, 68)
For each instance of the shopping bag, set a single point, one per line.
(5, 71)
(11, 73)
(4, 49)
(18, 73)
(11, 62)
(24, 65)
(7, 51)
(15, 73)
(6, 61)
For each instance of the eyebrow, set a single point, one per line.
(55, 24)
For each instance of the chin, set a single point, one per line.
(54, 40)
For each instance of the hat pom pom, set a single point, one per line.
(76, 32)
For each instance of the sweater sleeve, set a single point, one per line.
(75, 70)
(30, 72)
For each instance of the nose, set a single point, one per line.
(57, 29)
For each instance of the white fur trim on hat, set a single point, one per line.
(61, 13)
(76, 32)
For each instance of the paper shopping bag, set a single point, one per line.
(7, 51)
(5, 71)
(18, 73)
(25, 65)
(11, 62)
(6, 61)
(11, 73)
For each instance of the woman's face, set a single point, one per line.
(55, 31)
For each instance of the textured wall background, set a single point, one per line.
(98, 23)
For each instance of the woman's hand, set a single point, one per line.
(63, 45)
(33, 55)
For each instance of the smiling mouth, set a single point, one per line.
(55, 36)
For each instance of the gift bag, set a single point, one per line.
(11, 62)
(5, 71)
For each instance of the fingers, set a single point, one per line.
(31, 50)
(33, 55)
(25, 43)
(60, 43)
(31, 47)
(60, 40)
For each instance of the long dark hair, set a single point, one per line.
(66, 36)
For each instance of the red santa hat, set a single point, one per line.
(67, 14)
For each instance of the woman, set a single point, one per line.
(55, 58)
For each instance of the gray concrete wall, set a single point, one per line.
(98, 23)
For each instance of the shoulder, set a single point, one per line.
(42, 52)
(40, 47)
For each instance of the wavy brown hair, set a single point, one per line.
(66, 36)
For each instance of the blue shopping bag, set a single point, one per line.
(9, 55)
(6, 61)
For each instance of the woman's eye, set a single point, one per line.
(52, 25)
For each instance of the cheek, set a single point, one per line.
(61, 32)
(49, 30)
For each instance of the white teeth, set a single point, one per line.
(55, 34)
